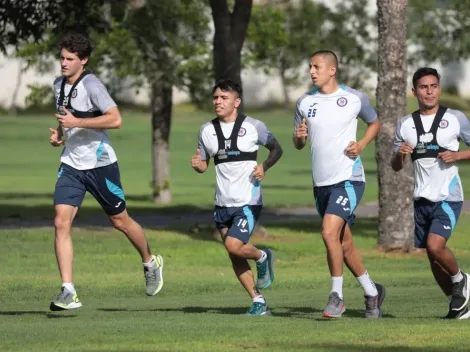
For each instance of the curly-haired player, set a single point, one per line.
(89, 163)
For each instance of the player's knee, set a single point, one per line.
(233, 249)
(329, 235)
(434, 249)
(62, 223)
(118, 223)
(347, 247)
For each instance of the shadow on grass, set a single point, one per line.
(189, 310)
(287, 312)
(195, 221)
(341, 346)
(46, 314)
(293, 312)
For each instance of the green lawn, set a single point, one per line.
(201, 306)
(29, 165)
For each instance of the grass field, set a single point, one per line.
(201, 306)
(29, 164)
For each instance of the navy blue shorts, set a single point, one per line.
(340, 199)
(104, 183)
(240, 221)
(439, 218)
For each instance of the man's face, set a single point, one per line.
(70, 63)
(225, 102)
(427, 91)
(321, 70)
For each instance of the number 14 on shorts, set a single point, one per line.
(242, 223)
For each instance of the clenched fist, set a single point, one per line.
(258, 172)
(302, 131)
(54, 139)
(405, 149)
(449, 157)
(196, 162)
(354, 149)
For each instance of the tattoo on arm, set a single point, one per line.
(275, 153)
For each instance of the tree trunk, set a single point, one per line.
(396, 225)
(13, 110)
(229, 36)
(285, 91)
(161, 101)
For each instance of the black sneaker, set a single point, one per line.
(458, 314)
(460, 294)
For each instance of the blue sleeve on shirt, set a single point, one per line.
(464, 125)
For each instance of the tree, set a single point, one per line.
(396, 225)
(281, 39)
(450, 24)
(24, 20)
(230, 33)
(167, 34)
(350, 35)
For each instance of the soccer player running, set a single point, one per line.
(431, 137)
(233, 140)
(89, 163)
(327, 117)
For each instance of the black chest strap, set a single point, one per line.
(228, 147)
(65, 100)
(427, 146)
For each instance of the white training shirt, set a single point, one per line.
(86, 148)
(436, 180)
(332, 124)
(235, 185)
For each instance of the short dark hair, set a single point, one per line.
(227, 85)
(425, 71)
(327, 53)
(77, 43)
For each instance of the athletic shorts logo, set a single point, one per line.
(242, 132)
(443, 123)
(342, 101)
(74, 93)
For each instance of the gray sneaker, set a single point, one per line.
(373, 303)
(265, 270)
(154, 276)
(65, 300)
(335, 307)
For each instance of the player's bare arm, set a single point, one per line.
(355, 148)
(111, 119)
(275, 153)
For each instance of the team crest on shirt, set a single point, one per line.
(342, 101)
(74, 93)
(242, 132)
(443, 123)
